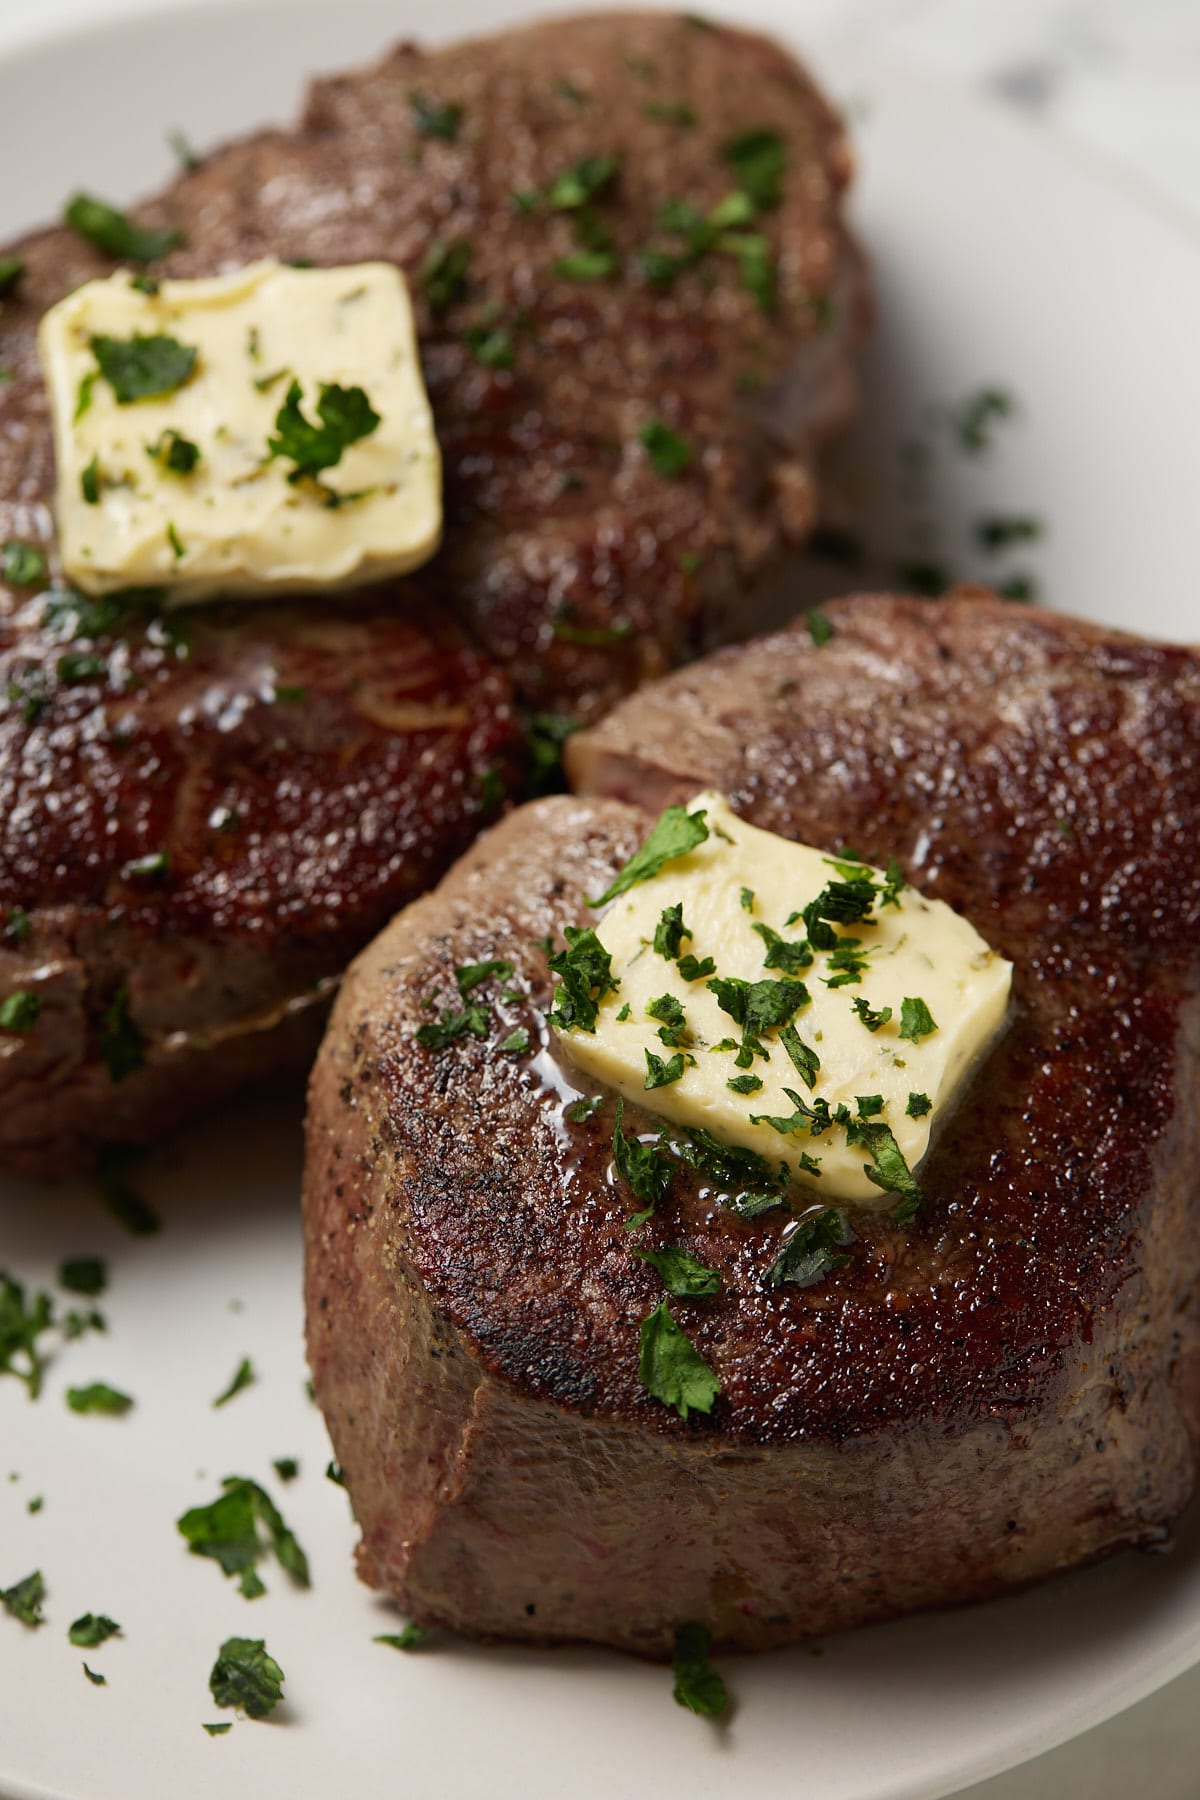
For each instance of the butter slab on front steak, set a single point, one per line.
(1001, 1388)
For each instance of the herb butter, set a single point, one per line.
(258, 433)
(812, 1009)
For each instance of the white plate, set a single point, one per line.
(999, 259)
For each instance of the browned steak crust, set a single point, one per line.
(197, 831)
(1001, 1388)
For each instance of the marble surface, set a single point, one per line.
(1119, 80)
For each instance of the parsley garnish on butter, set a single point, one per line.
(676, 832)
(585, 975)
(240, 1528)
(245, 1676)
(670, 1367)
(143, 367)
(110, 230)
(697, 1684)
(345, 415)
(916, 1020)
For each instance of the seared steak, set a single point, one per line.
(577, 555)
(1006, 1385)
(199, 825)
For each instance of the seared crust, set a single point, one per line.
(301, 776)
(1005, 1386)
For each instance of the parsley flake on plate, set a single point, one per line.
(83, 1275)
(99, 1397)
(411, 1638)
(697, 1684)
(22, 1323)
(241, 1527)
(241, 1378)
(25, 1599)
(91, 1630)
(245, 1676)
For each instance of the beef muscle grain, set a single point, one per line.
(548, 191)
(1002, 1387)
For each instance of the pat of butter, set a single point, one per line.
(235, 524)
(917, 949)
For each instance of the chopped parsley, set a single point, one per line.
(491, 345)
(411, 1638)
(96, 1679)
(122, 1046)
(175, 453)
(916, 1020)
(143, 368)
(999, 531)
(890, 1171)
(111, 231)
(547, 734)
(790, 957)
(646, 1168)
(21, 1325)
(584, 970)
(245, 1676)
(443, 276)
(241, 1527)
(747, 899)
(744, 1084)
(804, 1059)
(286, 1467)
(677, 832)
(670, 1367)
(757, 158)
(433, 119)
(758, 1005)
(22, 564)
(918, 1106)
(670, 932)
(83, 1275)
(660, 1073)
(121, 1200)
(672, 1020)
(819, 628)
(469, 976)
(517, 1042)
(18, 926)
(11, 270)
(693, 969)
(184, 155)
(697, 1684)
(580, 1111)
(89, 482)
(241, 1378)
(974, 419)
(144, 284)
(25, 1599)
(812, 1251)
(91, 1630)
(669, 452)
(586, 265)
(589, 180)
(595, 637)
(20, 1010)
(683, 1274)
(871, 1017)
(99, 1397)
(219, 1728)
(346, 416)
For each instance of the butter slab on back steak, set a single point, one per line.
(1003, 1387)
(571, 560)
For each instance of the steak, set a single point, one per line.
(577, 559)
(486, 170)
(199, 828)
(999, 1388)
